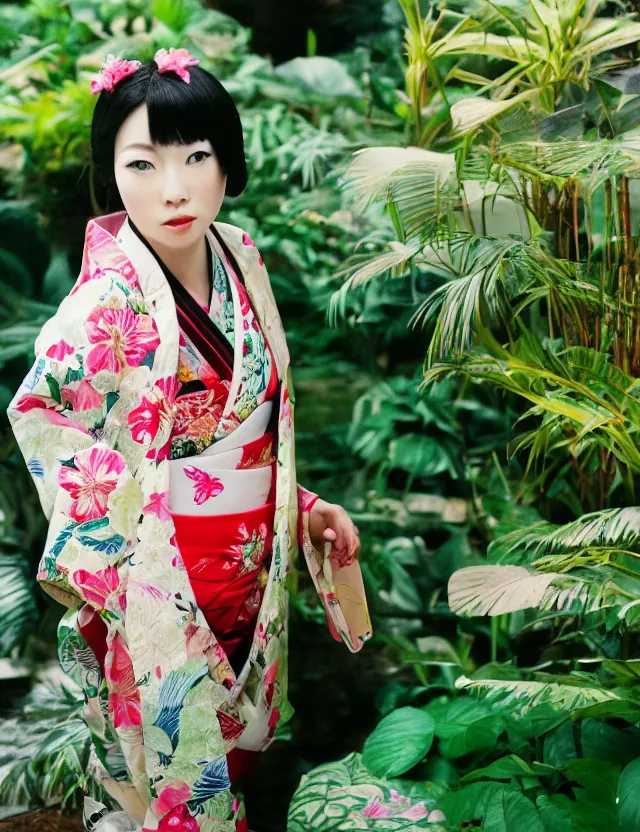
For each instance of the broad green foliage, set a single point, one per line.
(399, 742)
(529, 222)
(629, 796)
(346, 796)
(47, 747)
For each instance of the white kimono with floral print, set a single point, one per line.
(111, 347)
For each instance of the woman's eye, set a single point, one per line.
(202, 153)
(132, 165)
(138, 162)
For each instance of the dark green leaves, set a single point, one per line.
(629, 797)
(468, 726)
(399, 742)
(511, 811)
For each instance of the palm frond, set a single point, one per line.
(485, 274)
(470, 113)
(44, 751)
(392, 262)
(617, 528)
(581, 594)
(18, 612)
(606, 35)
(522, 696)
(510, 48)
(597, 158)
(412, 179)
(495, 590)
(583, 408)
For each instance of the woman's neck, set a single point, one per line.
(189, 266)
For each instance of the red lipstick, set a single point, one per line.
(176, 221)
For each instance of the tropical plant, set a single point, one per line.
(551, 56)
(530, 225)
(546, 309)
(45, 748)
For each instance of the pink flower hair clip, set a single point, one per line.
(112, 72)
(175, 60)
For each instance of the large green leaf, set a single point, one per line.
(420, 456)
(399, 742)
(629, 797)
(510, 811)
(508, 767)
(471, 801)
(602, 741)
(325, 76)
(554, 816)
(468, 726)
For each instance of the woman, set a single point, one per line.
(157, 422)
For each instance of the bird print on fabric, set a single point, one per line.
(171, 698)
(205, 486)
(213, 779)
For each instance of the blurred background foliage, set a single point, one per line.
(462, 300)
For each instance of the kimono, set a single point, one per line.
(96, 421)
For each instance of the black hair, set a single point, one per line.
(179, 113)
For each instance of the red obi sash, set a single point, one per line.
(227, 558)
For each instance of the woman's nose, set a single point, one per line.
(174, 190)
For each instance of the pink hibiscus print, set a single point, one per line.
(417, 812)
(178, 819)
(125, 708)
(81, 395)
(122, 338)
(270, 682)
(60, 350)
(246, 239)
(100, 587)
(159, 505)
(92, 480)
(376, 810)
(146, 420)
(170, 797)
(30, 401)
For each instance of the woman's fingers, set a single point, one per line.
(346, 541)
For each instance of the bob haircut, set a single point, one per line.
(179, 113)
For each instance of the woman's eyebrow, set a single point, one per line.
(139, 146)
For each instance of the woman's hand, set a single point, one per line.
(330, 522)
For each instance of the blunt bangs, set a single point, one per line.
(179, 113)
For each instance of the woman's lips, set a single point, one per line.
(180, 223)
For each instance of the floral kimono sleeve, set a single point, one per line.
(60, 417)
(76, 420)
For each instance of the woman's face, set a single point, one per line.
(157, 184)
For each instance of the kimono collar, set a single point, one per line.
(114, 230)
(118, 228)
(167, 272)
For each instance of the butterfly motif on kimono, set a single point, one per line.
(205, 486)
